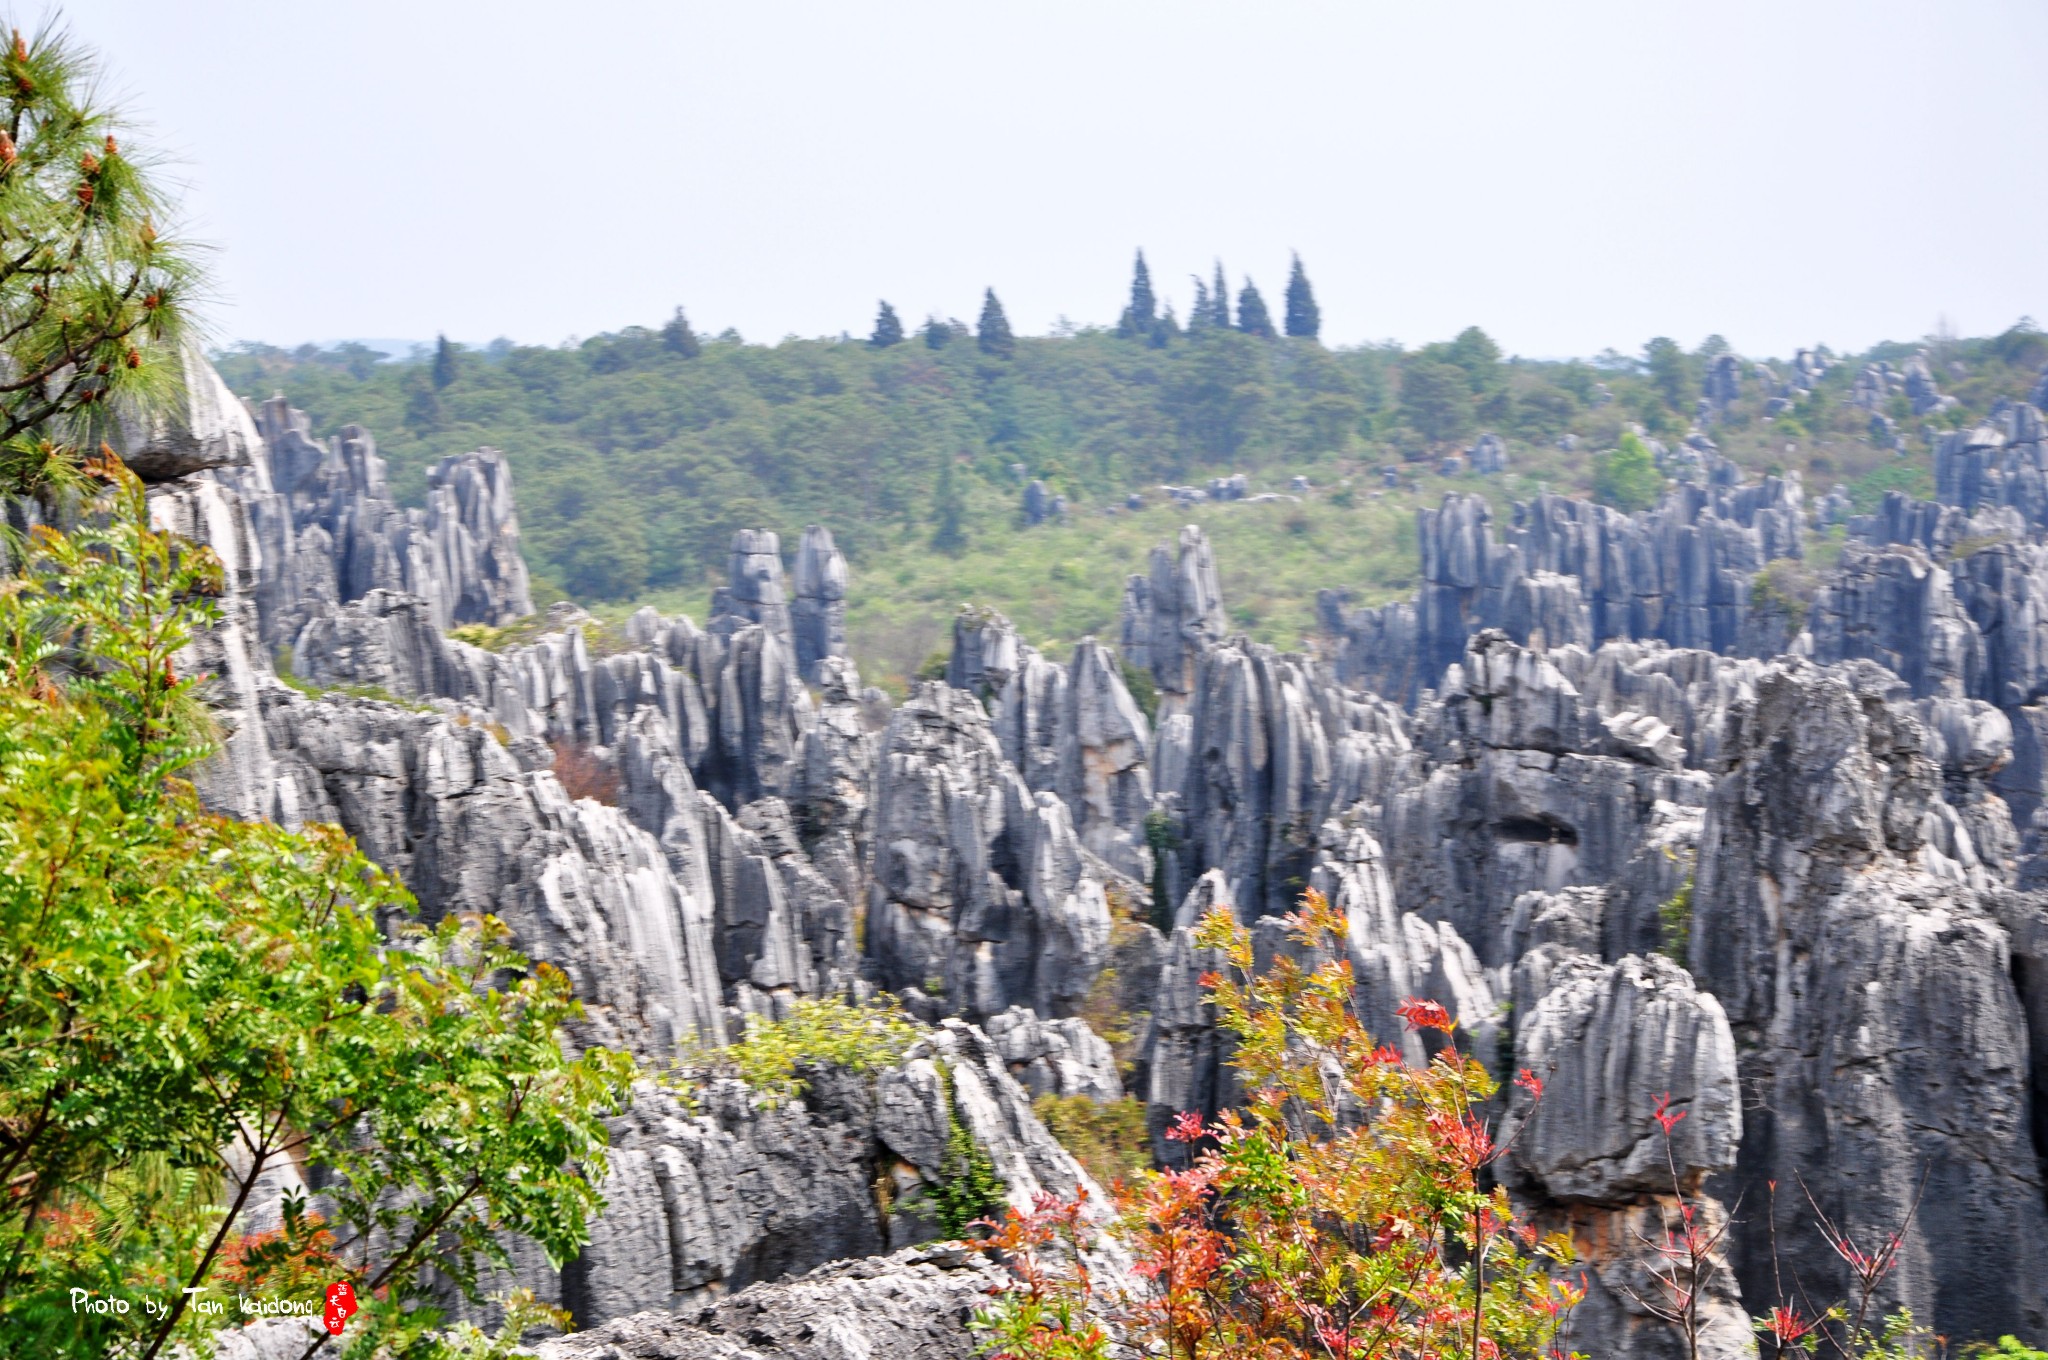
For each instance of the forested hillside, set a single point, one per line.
(637, 454)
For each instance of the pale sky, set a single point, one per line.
(1569, 176)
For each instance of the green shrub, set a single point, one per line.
(968, 1188)
(1110, 1141)
(1675, 921)
(1626, 476)
(822, 1032)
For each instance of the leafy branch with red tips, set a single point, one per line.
(1343, 1213)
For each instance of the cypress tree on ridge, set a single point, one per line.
(1198, 315)
(1304, 319)
(678, 336)
(994, 335)
(1252, 317)
(1219, 298)
(888, 329)
(1142, 315)
(444, 362)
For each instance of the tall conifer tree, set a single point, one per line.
(444, 362)
(1219, 298)
(994, 336)
(678, 336)
(888, 328)
(1304, 318)
(1252, 317)
(1141, 317)
(1198, 315)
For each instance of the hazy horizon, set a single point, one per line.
(1570, 180)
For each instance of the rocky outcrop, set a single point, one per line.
(817, 616)
(440, 803)
(914, 1305)
(1104, 775)
(1679, 574)
(1615, 1044)
(1859, 964)
(1529, 790)
(1055, 1057)
(1170, 615)
(980, 887)
(209, 428)
(716, 1192)
(753, 591)
(329, 532)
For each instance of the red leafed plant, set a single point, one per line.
(1342, 1214)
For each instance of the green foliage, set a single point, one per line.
(1144, 691)
(522, 1314)
(191, 1001)
(888, 329)
(1304, 318)
(818, 1032)
(993, 336)
(949, 513)
(1141, 315)
(93, 298)
(1297, 1228)
(1789, 585)
(2005, 1348)
(1111, 1141)
(1913, 477)
(1674, 923)
(1163, 841)
(445, 369)
(1252, 316)
(1436, 399)
(1626, 476)
(1971, 544)
(968, 1189)
(1671, 374)
(678, 339)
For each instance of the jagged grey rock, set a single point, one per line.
(1613, 1043)
(979, 883)
(1055, 1057)
(818, 613)
(914, 1305)
(1170, 615)
(753, 593)
(1104, 771)
(1858, 965)
(210, 428)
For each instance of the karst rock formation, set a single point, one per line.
(1640, 824)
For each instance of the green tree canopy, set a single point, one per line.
(1626, 477)
(1671, 374)
(994, 334)
(1141, 315)
(1252, 317)
(192, 1002)
(1474, 351)
(444, 362)
(888, 329)
(1436, 399)
(1304, 318)
(679, 338)
(93, 296)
